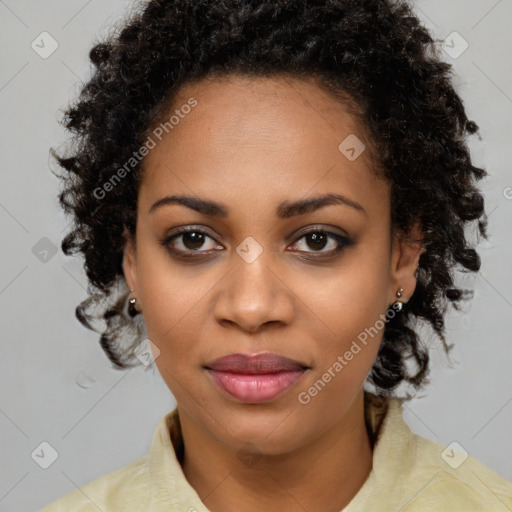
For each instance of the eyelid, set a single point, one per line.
(183, 230)
(324, 228)
(342, 240)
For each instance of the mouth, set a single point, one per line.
(255, 378)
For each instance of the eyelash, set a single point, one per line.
(342, 242)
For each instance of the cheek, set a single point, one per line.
(346, 317)
(170, 297)
(351, 297)
(169, 291)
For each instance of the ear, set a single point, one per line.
(129, 261)
(406, 251)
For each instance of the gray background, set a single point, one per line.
(56, 384)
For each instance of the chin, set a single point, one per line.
(263, 434)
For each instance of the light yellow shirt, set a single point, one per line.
(409, 474)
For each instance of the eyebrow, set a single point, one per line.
(284, 210)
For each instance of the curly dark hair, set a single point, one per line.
(375, 53)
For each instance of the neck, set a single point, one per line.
(324, 475)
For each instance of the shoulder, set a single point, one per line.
(122, 489)
(448, 478)
(413, 474)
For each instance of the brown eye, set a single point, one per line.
(190, 240)
(318, 240)
(193, 240)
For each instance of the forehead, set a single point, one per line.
(267, 134)
(235, 109)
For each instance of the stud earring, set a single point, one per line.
(131, 306)
(398, 305)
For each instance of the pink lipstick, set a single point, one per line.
(255, 378)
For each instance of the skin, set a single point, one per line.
(250, 144)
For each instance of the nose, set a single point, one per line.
(253, 296)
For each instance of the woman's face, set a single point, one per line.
(255, 275)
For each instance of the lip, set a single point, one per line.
(255, 378)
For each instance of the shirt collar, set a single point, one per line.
(170, 490)
(392, 451)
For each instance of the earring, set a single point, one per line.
(131, 306)
(398, 305)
